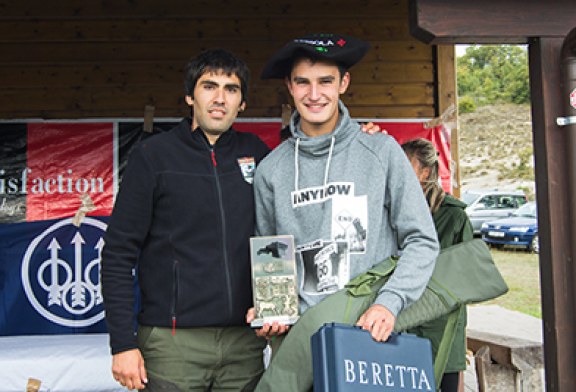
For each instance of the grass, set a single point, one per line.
(521, 271)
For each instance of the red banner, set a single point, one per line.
(402, 131)
(48, 166)
(65, 161)
(405, 131)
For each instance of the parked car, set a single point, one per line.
(488, 204)
(521, 229)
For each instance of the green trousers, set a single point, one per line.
(201, 359)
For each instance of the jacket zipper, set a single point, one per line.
(174, 296)
(223, 220)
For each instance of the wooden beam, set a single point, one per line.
(554, 227)
(240, 30)
(506, 350)
(489, 21)
(113, 52)
(177, 9)
(73, 75)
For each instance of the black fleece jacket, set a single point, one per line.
(183, 216)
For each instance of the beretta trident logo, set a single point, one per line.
(61, 273)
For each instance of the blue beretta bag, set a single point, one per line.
(345, 358)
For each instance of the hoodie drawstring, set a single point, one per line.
(327, 169)
(296, 173)
(332, 139)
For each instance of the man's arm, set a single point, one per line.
(417, 239)
(124, 237)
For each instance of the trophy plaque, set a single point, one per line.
(274, 281)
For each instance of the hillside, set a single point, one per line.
(496, 148)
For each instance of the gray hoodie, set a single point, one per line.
(350, 200)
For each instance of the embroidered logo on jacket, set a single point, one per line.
(247, 167)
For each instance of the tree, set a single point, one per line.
(494, 74)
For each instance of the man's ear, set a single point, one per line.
(189, 100)
(344, 83)
(242, 107)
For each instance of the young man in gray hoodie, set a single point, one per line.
(350, 199)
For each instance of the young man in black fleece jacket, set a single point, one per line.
(183, 217)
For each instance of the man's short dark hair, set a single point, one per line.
(216, 60)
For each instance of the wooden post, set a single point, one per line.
(543, 26)
(554, 226)
(447, 97)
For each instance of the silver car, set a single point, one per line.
(489, 204)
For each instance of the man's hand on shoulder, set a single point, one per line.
(371, 128)
(128, 369)
(379, 321)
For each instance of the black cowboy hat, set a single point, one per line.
(343, 50)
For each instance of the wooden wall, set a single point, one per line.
(110, 58)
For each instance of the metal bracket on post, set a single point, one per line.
(563, 121)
